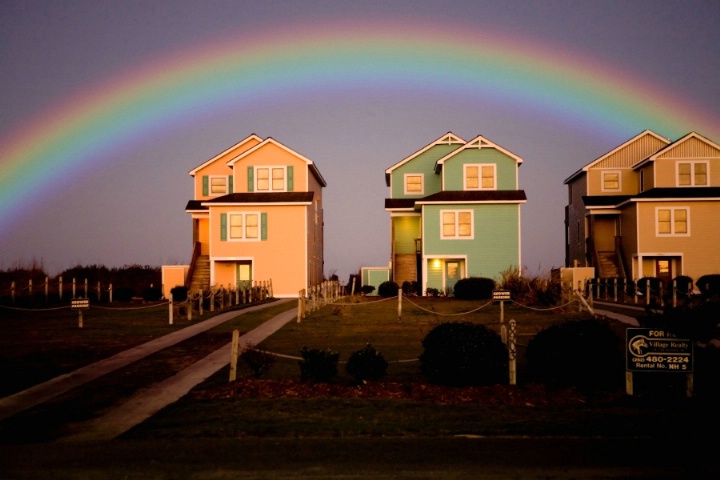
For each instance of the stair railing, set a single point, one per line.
(193, 262)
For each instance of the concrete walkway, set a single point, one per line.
(43, 392)
(148, 401)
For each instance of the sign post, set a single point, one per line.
(80, 304)
(657, 350)
(501, 296)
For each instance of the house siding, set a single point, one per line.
(505, 174)
(424, 164)
(496, 243)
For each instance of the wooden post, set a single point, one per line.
(629, 383)
(647, 292)
(30, 288)
(74, 289)
(200, 303)
(80, 318)
(635, 290)
(674, 293)
(615, 291)
(234, 355)
(689, 382)
(47, 286)
(170, 310)
(512, 354)
(110, 292)
(352, 288)
(502, 312)
(212, 299)
(399, 304)
(60, 288)
(86, 288)
(299, 310)
(188, 301)
(99, 291)
(12, 291)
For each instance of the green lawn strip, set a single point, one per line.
(39, 345)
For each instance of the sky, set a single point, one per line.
(105, 106)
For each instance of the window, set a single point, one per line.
(414, 184)
(243, 226)
(672, 221)
(456, 224)
(214, 185)
(610, 181)
(692, 174)
(480, 177)
(271, 179)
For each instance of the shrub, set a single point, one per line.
(152, 294)
(411, 288)
(366, 364)
(318, 365)
(179, 293)
(432, 292)
(683, 286)
(709, 285)
(388, 289)
(655, 285)
(258, 361)
(474, 288)
(586, 354)
(123, 294)
(367, 289)
(463, 353)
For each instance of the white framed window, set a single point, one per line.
(672, 221)
(456, 224)
(479, 176)
(692, 174)
(218, 184)
(611, 181)
(270, 179)
(243, 226)
(414, 184)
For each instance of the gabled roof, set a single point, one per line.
(636, 138)
(478, 142)
(251, 137)
(667, 151)
(261, 198)
(447, 139)
(270, 140)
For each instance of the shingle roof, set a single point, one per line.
(654, 193)
(253, 198)
(457, 197)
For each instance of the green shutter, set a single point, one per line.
(223, 226)
(263, 226)
(251, 181)
(230, 184)
(205, 185)
(290, 178)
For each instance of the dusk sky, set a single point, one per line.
(105, 106)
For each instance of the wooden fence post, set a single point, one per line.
(234, 355)
(47, 291)
(60, 288)
(12, 291)
(110, 292)
(170, 310)
(512, 353)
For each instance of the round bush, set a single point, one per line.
(463, 353)
(655, 285)
(388, 289)
(366, 364)
(179, 293)
(578, 353)
(709, 285)
(474, 288)
(318, 365)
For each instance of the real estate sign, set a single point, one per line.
(657, 350)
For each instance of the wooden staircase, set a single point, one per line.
(608, 265)
(200, 274)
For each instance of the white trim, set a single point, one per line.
(672, 222)
(234, 147)
(447, 139)
(270, 169)
(610, 172)
(457, 235)
(480, 167)
(244, 237)
(405, 183)
(692, 164)
(210, 186)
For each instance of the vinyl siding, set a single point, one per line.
(405, 230)
(628, 182)
(496, 244)
(506, 170)
(424, 164)
(272, 155)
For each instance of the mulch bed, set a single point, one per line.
(531, 395)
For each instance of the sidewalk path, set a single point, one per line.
(43, 392)
(148, 401)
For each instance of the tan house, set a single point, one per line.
(257, 215)
(648, 208)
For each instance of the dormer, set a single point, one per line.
(414, 176)
(214, 178)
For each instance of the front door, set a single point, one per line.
(663, 270)
(244, 274)
(452, 274)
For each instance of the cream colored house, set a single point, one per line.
(257, 215)
(648, 208)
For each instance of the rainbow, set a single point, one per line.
(280, 63)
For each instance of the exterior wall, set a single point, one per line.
(425, 164)
(495, 246)
(628, 181)
(315, 241)
(173, 276)
(700, 253)
(405, 229)
(666, 171)
(575, 218)
(629, 235)
(272, 155)
(216, 168)
(204, 235)
(281, 258)
(505, 174)
(649, 177)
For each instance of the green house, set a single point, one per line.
(455, 212)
